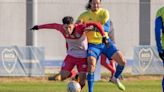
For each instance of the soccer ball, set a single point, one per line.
(73, 86)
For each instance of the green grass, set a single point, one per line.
(25, 85)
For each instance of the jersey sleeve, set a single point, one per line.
(158, 27)
(111, 32)
(106, 21)
(106, 26)
(106, 17)
(58, 27)
(98, 26)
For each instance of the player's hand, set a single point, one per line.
(161, 55)
(105, 40)
(35, 27)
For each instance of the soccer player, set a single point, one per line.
(95, 45)
(159, 36)
(77, 45)
(110, 65)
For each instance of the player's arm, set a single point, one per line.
(106, 21)
(98, 26)
(106, 26)
(158, 27)
(56, 26)
(111, 32)
(100, 29)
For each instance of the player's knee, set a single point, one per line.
(91, 68)
(123, 62)
(64, 75)
(119, 58)
(91, 64)
(91, 59)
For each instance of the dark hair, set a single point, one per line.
(67, 20)
(88, 6)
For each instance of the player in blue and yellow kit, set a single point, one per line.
(159, 35)
(95, 45)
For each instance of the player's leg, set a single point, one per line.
(119, 58)
(110, 65)
(112, 52)
(67, 67)
(82, 79)
(64, 74)
(57, 77)
(66, 70)
(82, 69)
(92, 55)
(113, 64)
(91, 69)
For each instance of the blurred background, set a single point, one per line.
(133, 24)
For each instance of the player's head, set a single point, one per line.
(68, 24)
(93, 5)
(67, 20)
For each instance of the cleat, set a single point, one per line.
(118, 83)
(56, 77)
(120, 78)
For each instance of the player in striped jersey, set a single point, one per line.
(77, 45)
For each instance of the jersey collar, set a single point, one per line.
(96, 12)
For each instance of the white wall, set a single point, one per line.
(124, 14)
(12, 22)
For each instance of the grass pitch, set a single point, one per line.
(133, 84)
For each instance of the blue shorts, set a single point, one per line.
(97, 49)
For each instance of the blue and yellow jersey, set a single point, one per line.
(102, 16)
(159, 28)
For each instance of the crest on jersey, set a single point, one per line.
(145, 58)
(77, 35)
(9, 59)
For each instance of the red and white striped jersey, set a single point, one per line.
(76, 42)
